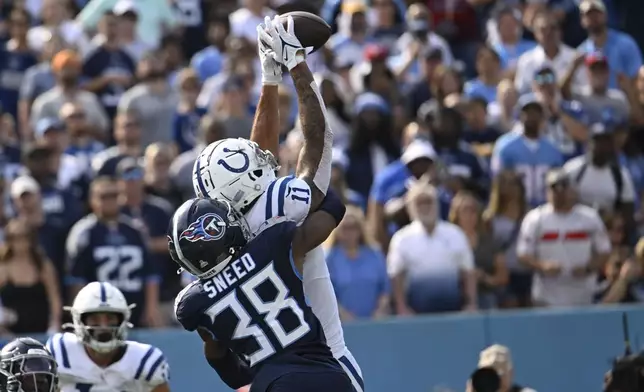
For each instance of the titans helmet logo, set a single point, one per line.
(209, 227)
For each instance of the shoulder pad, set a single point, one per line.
(152, 367)
(188, 306)
(62, 345)
(288, 197)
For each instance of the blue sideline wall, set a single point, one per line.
(566, 350)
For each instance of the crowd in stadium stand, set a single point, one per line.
(490, 151)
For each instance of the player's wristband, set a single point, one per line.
(232, 370)
(333, 205)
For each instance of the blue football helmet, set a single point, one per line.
(27, 366)
(205, 235)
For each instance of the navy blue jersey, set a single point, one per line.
(13, 65)
(104, 62)
(116, 254)
(256, 307)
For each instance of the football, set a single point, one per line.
(310, 29)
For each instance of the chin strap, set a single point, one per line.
(322, 176)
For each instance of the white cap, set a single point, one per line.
(418, 149)
(22, 185)
(497, 357)
(124, 6)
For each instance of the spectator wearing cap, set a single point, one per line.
(153, 100)
(156, 166)
(127, 133)
(443, 282)
(155, 18)
(389, 23)
(464, 169)
(128, 15)
(209, 61)
(150, 212)
(372, 146)
(211, 129)
(565, 244)
(527, 152)
(601, 181)
(339, 163)
(373, 73)
(417, 44)
(564, 123)
(550, 52)
(504, 34)
(623, 55)
(37, 80)
(232, 108)
(17, 58)
(358, 269)
(55, 19)
(67, 67)
(81, 143)
(600, 102)
(187, 114)
(488, 75)
(30, 206)
(352, 37)
(499, 358)
(108, 69)
(51, 132)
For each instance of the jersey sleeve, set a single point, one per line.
(154, 369)
(288, 197)
(187, 307)
(78, 255)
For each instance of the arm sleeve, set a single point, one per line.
(465, 256)
(628, 190)
(633, 58)
(28, 85)
(527, 241)
(395, 257)
(187, 309)
(601, 241)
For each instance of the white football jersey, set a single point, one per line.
(141, 369)
(290, 198)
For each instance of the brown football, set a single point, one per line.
(310, 29)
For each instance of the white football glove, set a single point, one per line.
(271, 69)
(288, 49)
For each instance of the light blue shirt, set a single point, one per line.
(477, 89)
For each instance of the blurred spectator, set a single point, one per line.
(67, 68)
(503, 217)
(372, 144)
(430, 83)
(156, 166)
(443, 282)
(81, 142)
(563, 126)
(108, 68)
(601, 181)
(187, 115)
(488, 75)
(477, 132)
(10, 153)
(489, 260)
(153, 215)
(244, 21)
(37, 80)
(287, 101)
(128, 15)
(29, 290)
(127, 134)
(388, 23)
(630, 156)
(565, 244)
(624, 56)
(155, 17)
(621, 281)
(210, 130)
(107, 246)
(498, 357)
(17, 57)
(171, 54)
(549, 53)
(232, 108)
(209, 61)
(528, 153)
(616, 229)
(338, 182)
(351, 39)
(55, 20)
(358, 269)
(506, 38)
(153, 100)
(502, 112)
(417, 43)
(445, 82)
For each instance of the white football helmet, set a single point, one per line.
(101, 297)
(235, 170)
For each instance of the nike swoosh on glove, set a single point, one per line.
(287, 48)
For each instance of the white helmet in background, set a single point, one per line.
(235, 170)
(101, 297)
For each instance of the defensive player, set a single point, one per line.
(239, 171)
(97, 357)
(248, 303)
(26, 366)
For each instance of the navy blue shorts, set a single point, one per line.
(311, 382)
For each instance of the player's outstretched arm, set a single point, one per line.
(317, 227)
(265, 131)
(314, 164)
